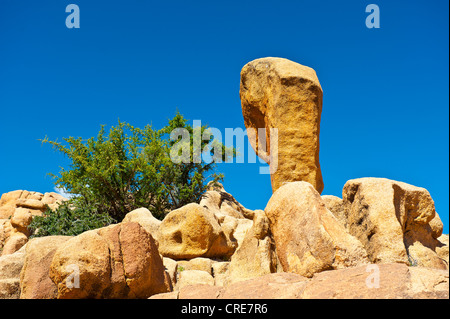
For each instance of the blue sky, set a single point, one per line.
(385, 106)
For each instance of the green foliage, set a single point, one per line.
(131, 168)
(70, 219)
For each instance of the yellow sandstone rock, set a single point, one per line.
(277, 93)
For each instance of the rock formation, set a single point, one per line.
(308, 238)
(17, 209)
(110, 264)
(395, 281)
(395, 221)
(280, 94)
(193, 231)
(383, 239)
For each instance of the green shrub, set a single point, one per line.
(130, 168)
(71, 218)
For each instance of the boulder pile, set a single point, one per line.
(17, 209)
(382, 239)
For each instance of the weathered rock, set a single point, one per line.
(144, 217)
(21, 219)
(167, 295)
(19, 207)
(280, 94)
(308, 238)
(15, 241)
(428, 283)
(118, 261)
(35, 282)
(81, 267)
(395, 221)
(336, 205)
(194, 277)
(171, 267)
(199, 263)
(33, 204)
(442, 248)
(243, 225)
(220, 272)
(221, 203)
(384, 281)
(8, 203)
(193, 231)
(256, 255)
(10, 267)
(5, 229)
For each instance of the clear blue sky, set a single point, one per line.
(386, 99)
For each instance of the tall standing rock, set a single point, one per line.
(280, 94)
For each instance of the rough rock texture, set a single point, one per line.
(171, 268)
(442, 249)
(199, 263)
(336, 205)
(256, 255)
(278, 93)
(221, 203)
(16, 240)
(395, 221)
(32, 200)
(220, 272)
(192, 277)
(10, 267)
(118, 261)
(144, 217)
(193, 231)
(35, 282)
(308, 238)
(17, 209)
(386, 281)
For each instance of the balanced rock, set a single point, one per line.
(193, 231)
(280, 94)
(395, 221)
(308, 237)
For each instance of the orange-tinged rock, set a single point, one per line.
(277, 93)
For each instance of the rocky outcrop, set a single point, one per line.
(280, 94)
(10, 268)
(256, 255)
(395, 221)
(308, 238)
(144, 217)
(442, 248)
(222, 204)
(194, 231)
(35, 282)
(17, 209)
(109, 263)
(386, 281)
(34, 201)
